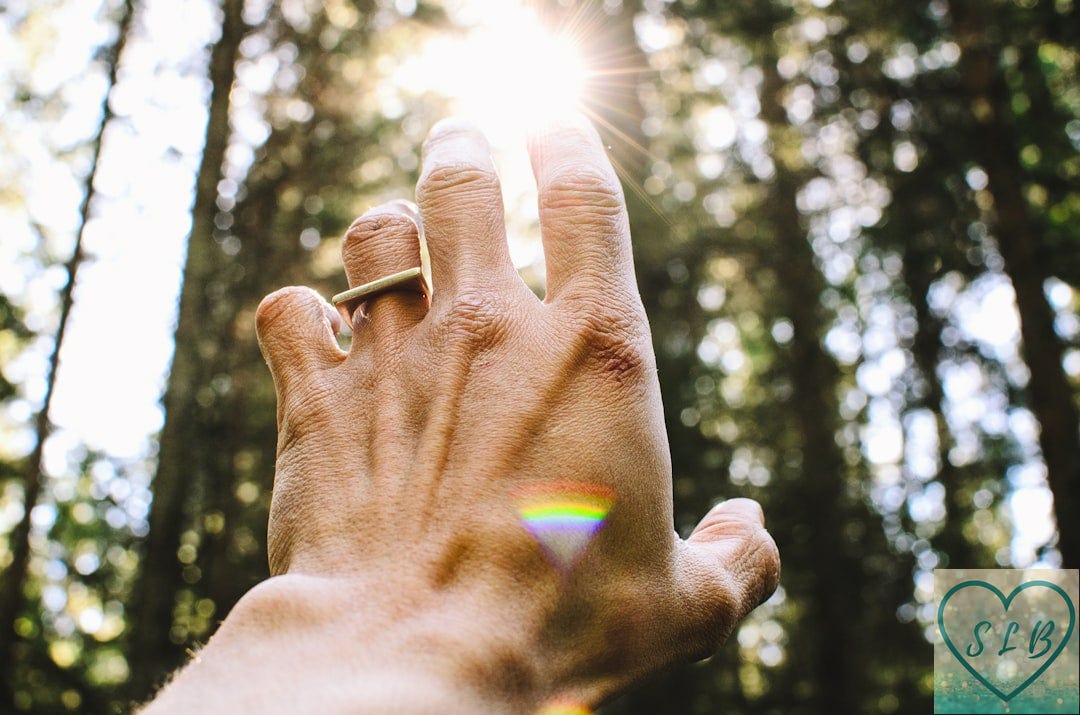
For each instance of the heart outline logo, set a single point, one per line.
(1005, 602)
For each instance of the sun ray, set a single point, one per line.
(629, 177)
(521, 61)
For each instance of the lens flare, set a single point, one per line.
(507, 72)
(564, 707)
(564, 517)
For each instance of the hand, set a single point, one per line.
(404, 465)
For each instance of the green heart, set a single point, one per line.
(1005, 601)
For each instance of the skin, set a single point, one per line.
(403, 579)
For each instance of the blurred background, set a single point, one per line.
(857, 232)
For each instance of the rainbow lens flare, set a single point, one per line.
(564, 707)
(563, 517)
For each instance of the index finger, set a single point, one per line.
(583, 219)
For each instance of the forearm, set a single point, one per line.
(299, 644)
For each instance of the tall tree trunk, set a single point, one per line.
(152, 652)
(837, 581)
(926, 349)
(1052, 399)
(11, 589)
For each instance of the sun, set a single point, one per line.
(516, 69)
(508, 71)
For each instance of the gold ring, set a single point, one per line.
(345, 301)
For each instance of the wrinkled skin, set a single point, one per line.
(393, 516)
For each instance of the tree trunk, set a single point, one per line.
(837, 582)
(11, 590)
(926, 349)
(1052, 399)
(152, 652)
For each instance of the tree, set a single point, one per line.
(184, 438)
(1052, 397)
(31, 472)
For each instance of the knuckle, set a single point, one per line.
(303, 414)
(613, 341)
(707, 606)
(595, 192)
(478, 318)
(308, 411)
(457, 179)
(377, 227)
(752, 576)
(276, 305)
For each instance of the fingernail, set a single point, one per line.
(745, 506)
(456, 141)
(571, 121)
(404, 208)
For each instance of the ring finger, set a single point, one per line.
(380, 245)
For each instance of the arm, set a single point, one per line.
(472, 507)
(298, 644)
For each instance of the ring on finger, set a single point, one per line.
(348, 301)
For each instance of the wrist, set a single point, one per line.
(331, 644)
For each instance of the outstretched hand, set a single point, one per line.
(475, 499)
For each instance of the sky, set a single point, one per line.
(119, 344)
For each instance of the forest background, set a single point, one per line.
(857, 233)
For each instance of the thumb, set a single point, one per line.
(296, 330)
(728, 567)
